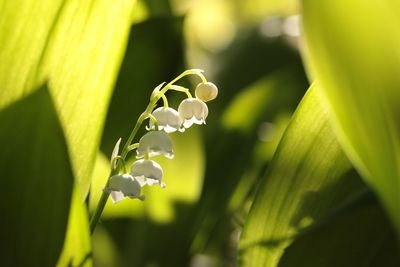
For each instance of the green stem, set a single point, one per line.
(181, 89)
(104, 196)
(165, 100)
(133, 146)
(125, 150)
(99, 210)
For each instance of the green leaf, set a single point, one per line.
(226, 189)
(77, 249)
(36, 181)
(353, 51)
(308, 177)
(76, 46)
(362, 236)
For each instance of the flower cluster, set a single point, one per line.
(162, 121)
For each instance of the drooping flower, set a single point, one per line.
(206, 91)
(155, 143)
(147, 172)
(124, 185)
(168, 120)
(193, 110)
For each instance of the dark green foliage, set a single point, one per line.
(36, 182)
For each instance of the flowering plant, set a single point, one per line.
(162, 120)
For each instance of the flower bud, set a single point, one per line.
(206, 91)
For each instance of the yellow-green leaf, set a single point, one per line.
(353, 51)
(308, 177)
(360, 236)
(76, 47)
(36, 182)
(77, 249)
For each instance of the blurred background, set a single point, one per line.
(250, 49)
(65, 100)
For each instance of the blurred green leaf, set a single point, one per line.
(104, 249)
(254, 73)
(256, 10)
(77, 249)
(36, 180)
(353, 51)
(76, 46)
(233, 162)
(308, 177)
(360, 237)
(261, 55)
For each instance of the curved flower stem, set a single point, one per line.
(125, 150)
(133, 146)
(104, 196)
(165, 100)
(181, 89)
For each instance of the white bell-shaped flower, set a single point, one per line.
(124, 185)
(147, 172)
(155, 143)
(168, 120)
(193, 110)
(206, 91)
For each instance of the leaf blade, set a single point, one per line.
(70, 45)
(304, 183)
(37, 178)
(358, 75)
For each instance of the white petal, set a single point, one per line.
(193, 110)
(155, 143)
(116, 196)
(123, 185)
(132, 188)
(147, 172)
(170, 129)
(188, 123)
(147, 168)
(118, 181)
(185, 108)
(141, 180)
(152, 182)
(168, 119)
(200, 110)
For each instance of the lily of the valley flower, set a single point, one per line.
(206, 91)
(124, 185)
(193, 110)
(147, 172)
(155, 143)
(168, 119)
